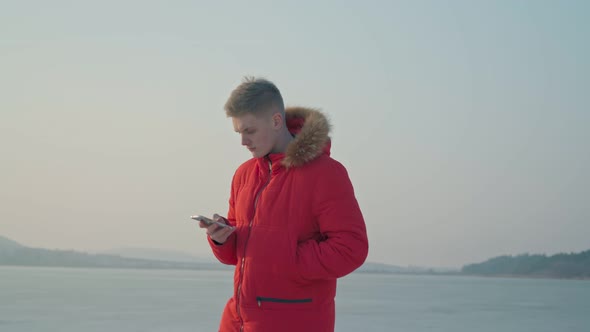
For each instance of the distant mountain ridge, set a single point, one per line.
(6, 243)
(157, 254)
(13, 253)
(573, 265)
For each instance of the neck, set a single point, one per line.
(283, 140)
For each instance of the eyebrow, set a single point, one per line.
(243, 129)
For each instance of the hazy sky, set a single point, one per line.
(464, 125)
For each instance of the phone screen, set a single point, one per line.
(208, 221)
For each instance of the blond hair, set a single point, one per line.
(254, 95)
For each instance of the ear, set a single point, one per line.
(277, 121)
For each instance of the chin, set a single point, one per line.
(257, 154)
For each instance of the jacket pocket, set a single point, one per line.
(261, 300)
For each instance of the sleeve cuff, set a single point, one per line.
(215, 242)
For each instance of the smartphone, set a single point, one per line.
(208, 221)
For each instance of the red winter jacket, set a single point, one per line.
(298, 228)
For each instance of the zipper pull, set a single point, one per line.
(259, 304)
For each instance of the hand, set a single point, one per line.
(217, 233)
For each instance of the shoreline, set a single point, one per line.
(225, 268)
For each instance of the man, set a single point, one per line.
(295, 223)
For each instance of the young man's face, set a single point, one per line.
(258, 133)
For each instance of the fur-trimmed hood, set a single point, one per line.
(311, 129)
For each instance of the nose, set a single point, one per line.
(245, 141)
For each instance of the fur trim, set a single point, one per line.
(311, 129)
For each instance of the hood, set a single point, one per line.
(311, 128)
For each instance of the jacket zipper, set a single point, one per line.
(246, 244)
(260, 299)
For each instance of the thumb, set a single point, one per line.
(219, 218)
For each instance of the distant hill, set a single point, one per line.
(158, 254)
(13, 253)
(8, 244)
(556, 266)
(380, 268)
(387, 268)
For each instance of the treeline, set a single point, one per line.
(557, 266)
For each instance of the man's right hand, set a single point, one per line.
(217, 233)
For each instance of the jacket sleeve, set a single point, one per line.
(226, 252)
(345, 245)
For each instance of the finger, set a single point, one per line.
(220, 219)
(213, 228)
(222, 231)
(226, 232)
(222, 234)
